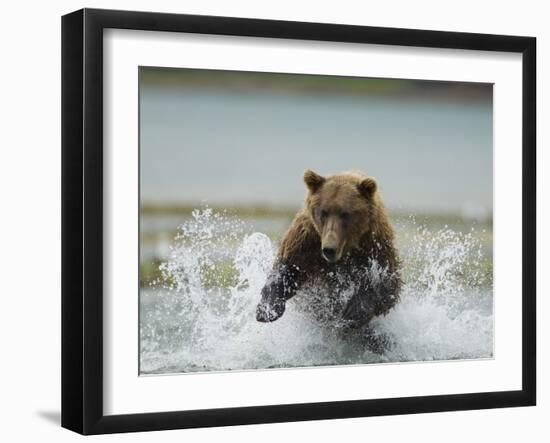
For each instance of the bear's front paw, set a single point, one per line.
(268, 312)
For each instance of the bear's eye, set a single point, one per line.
(324, 214)
(345, 216)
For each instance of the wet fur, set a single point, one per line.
(366, 237)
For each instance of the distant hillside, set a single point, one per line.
(254, 82)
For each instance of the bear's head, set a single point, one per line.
(343, 209)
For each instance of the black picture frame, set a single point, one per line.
(82, 220)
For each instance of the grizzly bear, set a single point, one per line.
(341, 239)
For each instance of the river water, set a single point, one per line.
(204, 318)
(232, 149)
(249, 149)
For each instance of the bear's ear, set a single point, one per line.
(367, 187)
(313, 180)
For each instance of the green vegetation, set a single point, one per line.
(239, 80)
(221, 275)
(150, 274)
(253, 82)
(274, 221)
(160, 209)
(268, 212)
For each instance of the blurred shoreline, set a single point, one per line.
(245, 82)
(159, 225)
(266, 211)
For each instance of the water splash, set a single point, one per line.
(203, 318)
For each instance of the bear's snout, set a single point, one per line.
(332, 239)
(332, 250)
(329, 254)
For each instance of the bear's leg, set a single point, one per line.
(371, 301)
(282, 284)
(359, 309)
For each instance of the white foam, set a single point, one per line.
(205, 319)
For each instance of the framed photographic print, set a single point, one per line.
(269, 221)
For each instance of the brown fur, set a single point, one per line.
(368, 228)
(343, 215)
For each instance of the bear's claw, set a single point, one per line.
(266, 313)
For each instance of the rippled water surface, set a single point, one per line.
(201, 317)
